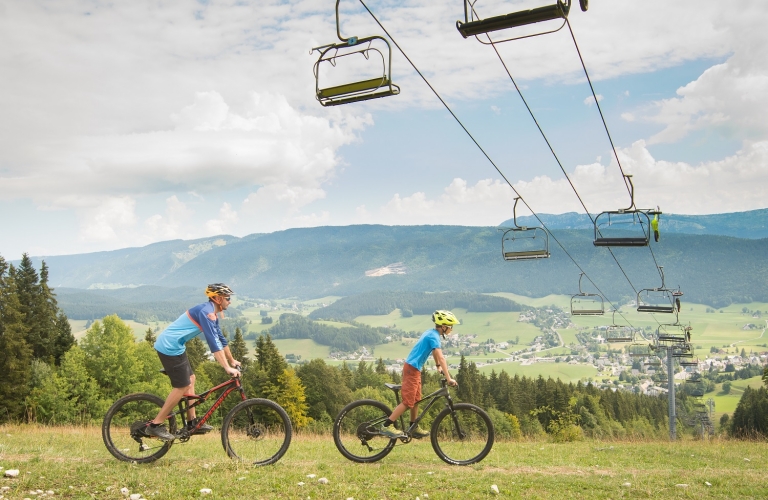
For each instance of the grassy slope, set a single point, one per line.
(74, 464)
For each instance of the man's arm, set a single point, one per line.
(232, 361)
(443, 364)
(221, 357)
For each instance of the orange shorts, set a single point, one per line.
(411, 386)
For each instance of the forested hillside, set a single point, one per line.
(377, 303)
(315, 262)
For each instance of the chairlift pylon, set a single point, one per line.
(358, 90)
(657, 300)
(587, 304)
(522, 242)
(473, 25)
(624, 217)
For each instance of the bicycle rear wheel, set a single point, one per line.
(122, 429)
(356, 434)
(257, 431)
(462, 436)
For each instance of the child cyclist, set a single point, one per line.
(429, 342)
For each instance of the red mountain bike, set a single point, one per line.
(257, 430)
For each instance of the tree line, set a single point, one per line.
(384, 302)
(347, 339)
(33, 331)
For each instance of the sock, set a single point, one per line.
(388, 422)
(152, 424)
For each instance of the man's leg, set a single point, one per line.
(191, 390)
(170, 403)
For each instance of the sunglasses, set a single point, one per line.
(228, 299)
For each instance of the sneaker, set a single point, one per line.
(390, 432)
(418, 433)
(205, 428)
(159, 432)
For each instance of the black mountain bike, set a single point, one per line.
(461, 434)
(256, 430)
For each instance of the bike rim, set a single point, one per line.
(358, 432)
(125, 438)
(256, 434)
(462, 437)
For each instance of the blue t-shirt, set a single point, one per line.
(200, 319)
(428, 342)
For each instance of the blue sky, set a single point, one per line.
(130, 123)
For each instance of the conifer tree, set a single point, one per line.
(150, 336)
(15, 353)
(63, 340)
(196, 350)
(288, 392)
(239, 348)
(381, 368)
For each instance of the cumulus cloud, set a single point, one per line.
(589, 101)
(727, 185)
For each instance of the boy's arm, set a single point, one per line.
(443, 364)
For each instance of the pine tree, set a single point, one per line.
(63, 340)
(150, 336)
(239, 348)
(196, 350)
(288, 392)
(15, 353)
(381, 368)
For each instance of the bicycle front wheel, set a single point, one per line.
(122, 429)
(356, 431)
(257, 431)
(462, 435)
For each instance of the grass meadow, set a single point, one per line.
(73, 463)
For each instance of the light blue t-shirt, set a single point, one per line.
(201, 319)
(428, 342)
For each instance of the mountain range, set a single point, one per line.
(715, 269)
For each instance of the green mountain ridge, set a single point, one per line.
(316, 262)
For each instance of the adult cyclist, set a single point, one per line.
(170, 347)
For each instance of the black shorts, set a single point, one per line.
(177, 368)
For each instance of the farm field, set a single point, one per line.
(73, 463)
(726, 403)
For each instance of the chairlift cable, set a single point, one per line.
(551, 149)
(469, 134)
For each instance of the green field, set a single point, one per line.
(73, 463)
(726, 403)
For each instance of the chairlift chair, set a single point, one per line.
(672, 333)
(692, 363)
(522, 242)
(617, 333)
(587, 304)
(632, 218)
(657, 300)
(373, 87)
(473, 25)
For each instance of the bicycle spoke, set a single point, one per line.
(464, 436)
(356, 431)
(256, 431)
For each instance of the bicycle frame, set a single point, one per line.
(433, 397)
(184, 405)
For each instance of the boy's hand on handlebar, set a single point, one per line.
(233, 372)
(453, 383)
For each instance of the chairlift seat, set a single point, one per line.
(655, 308)
(621, 242)
(351, 89)
(529, 254)
(619, 339)
(515, 19)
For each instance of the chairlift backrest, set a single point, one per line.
(587, 304)
(632, 219)
(553, 16)
(619, 333)
(656, 300)
(368, 50)
(522, 242)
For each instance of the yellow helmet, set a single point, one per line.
(444, 318)
(215, 289)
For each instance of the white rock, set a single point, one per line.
(311, 476)
(627, 485)
(49, 492)
(205, 466)
(425, 495)
(241, 478)
(707, 483)
(12, 473)
(189, 470)
(350, 498)
(682, 485)
(323, 480)
(747, 460)
(135, 496)
(300, 483)
(495, 489)
(125, 491)
(430, 473)
(5, 488)
(206, 491)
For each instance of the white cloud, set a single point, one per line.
(628, 117)
(105, 221)
(589, 101)
(226, 220)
